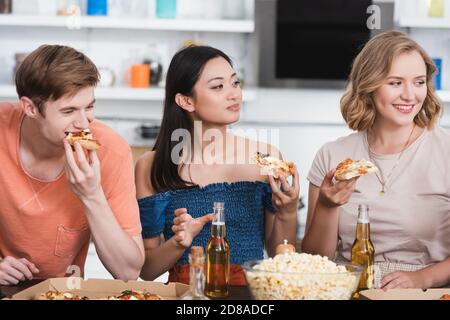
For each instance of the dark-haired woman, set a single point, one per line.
(176, 195)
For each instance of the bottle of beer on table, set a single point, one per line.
(218, 256)
(363, 252)
(196, 275)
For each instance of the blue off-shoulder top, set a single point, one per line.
(245, 205)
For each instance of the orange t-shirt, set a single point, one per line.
(44, 221)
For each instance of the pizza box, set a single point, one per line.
(102, 288)
(403, 294)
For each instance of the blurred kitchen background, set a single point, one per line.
(292, 57)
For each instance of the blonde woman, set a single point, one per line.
(392, 105)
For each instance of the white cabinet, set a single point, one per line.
(118, 41)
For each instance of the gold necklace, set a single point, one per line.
(380, 177)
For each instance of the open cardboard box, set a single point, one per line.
(102, 288)
(403, 294)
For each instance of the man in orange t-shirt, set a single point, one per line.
(54, 198)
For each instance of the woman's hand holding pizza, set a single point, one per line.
(333, 195)
(285, 199)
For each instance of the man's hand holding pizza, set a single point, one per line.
(83, 173)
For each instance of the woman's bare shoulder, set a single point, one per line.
(142, 175)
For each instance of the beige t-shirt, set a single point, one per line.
(410, 223)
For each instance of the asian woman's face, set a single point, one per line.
(217, 94)
(402, 93)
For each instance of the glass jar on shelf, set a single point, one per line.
(5, 6)
(97, 7)
(152, 57)
(68, 7)
(166, 9)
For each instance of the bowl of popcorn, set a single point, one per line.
(301, 276)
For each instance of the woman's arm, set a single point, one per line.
(283, 224)
(161, 255)
(437, 275)
(321, 232)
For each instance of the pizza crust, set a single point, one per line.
(85, 139)
(349, 169)
(273, 166)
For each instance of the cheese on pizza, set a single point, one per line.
(349, 169)
(85, 139)
(125, 295)
(274, 166)
(56, 295)
(136, 295)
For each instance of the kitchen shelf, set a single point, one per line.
(123, 93)
(222, 25)
(412, 22)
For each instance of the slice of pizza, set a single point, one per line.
(136, 295)
(274, 166)
(85, 139)
(349, 168)
(56, 295)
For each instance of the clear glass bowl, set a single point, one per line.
(272, 285)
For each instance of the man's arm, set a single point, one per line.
(122, 255)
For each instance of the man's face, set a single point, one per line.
(67, 114)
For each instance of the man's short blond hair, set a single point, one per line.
(53, 71)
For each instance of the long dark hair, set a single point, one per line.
(183, 73)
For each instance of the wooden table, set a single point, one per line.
(236, 292)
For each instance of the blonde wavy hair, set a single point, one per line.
(370, 68)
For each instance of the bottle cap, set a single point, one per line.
(285, 248)
(197, 251)
(363, 213)
(218, 205)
